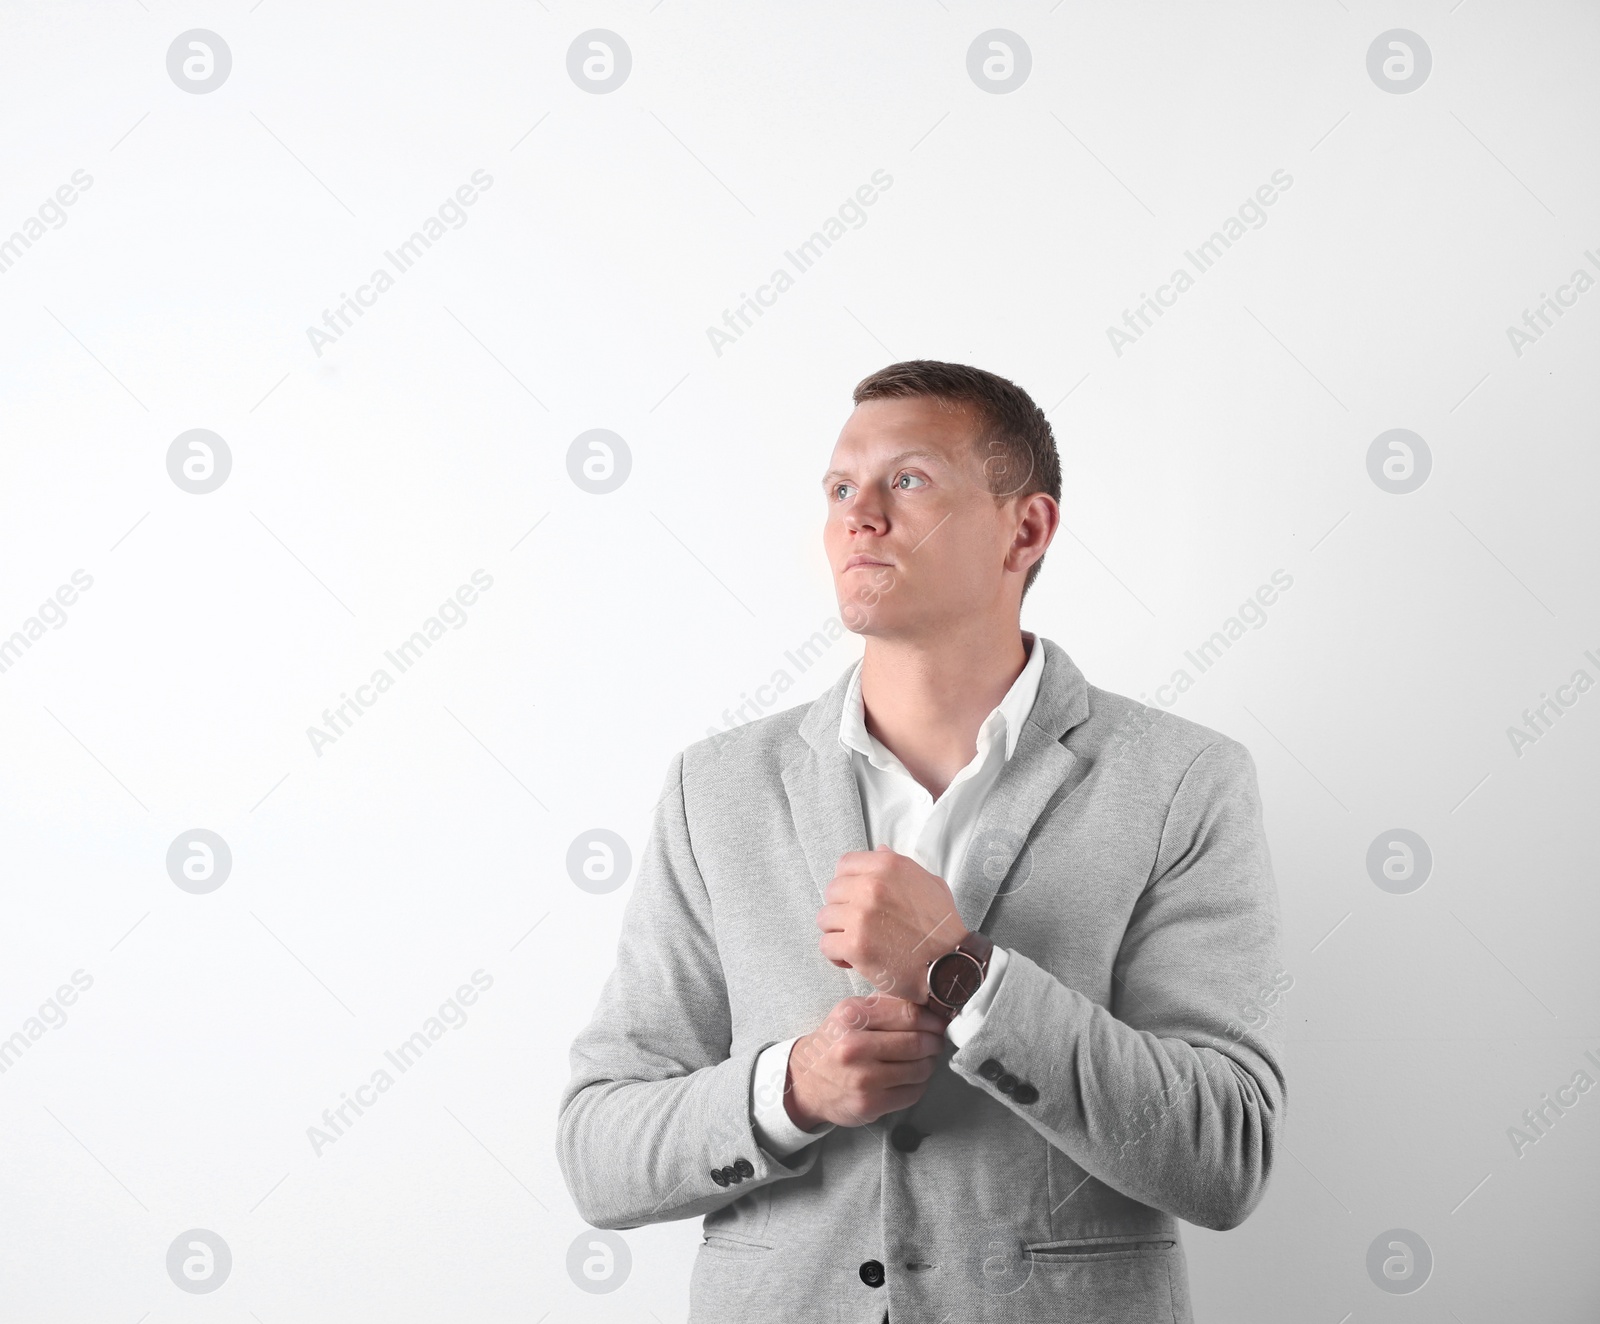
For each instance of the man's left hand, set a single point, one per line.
(887, 916)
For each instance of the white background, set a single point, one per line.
(431, 440)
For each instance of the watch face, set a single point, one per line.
(954, 978)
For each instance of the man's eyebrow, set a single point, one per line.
(895, 459)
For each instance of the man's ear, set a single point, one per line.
(1039, 516)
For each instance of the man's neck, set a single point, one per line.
(925, 700)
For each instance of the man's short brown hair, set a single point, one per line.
(1013, 440)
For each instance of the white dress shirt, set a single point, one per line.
(899, 813)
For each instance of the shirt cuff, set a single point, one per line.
(963, 1026)
(774, 1129)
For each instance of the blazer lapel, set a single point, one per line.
(999, 858)
(826, 804)
(824, 799)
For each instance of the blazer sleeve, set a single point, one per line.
(657, 1107)
(1175, 1094)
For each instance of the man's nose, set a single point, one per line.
(866, 513)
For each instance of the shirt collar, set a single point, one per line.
(1008, 716)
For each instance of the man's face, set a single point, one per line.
(913, 536)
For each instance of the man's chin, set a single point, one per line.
(858, 619)
(872, 620)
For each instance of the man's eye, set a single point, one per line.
(838, 488)
(916, 478)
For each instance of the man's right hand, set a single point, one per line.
(873, 1055)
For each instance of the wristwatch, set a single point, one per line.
(954, 977)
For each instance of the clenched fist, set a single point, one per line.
(887, 917)
(871, 1056)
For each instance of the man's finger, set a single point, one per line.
(833, 917)
(837, 948)
(861, 861)
(905, 1045)
(891, 1013)
(841, 888)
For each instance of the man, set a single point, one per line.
(931, 993)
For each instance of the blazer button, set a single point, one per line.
(905, 1138)
(1025, 1093)
(990, 1069)
(720, 1176)
(872, 1273)
(732, 1175)
(1006, 1083)
(744, 1168)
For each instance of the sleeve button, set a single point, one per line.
(990, 1069)
(1025, 1093)
(744, 1168)
(1006, 1083)
(719, 1176)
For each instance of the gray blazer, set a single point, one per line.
(1127, 1075)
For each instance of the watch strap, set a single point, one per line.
(979, 945)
